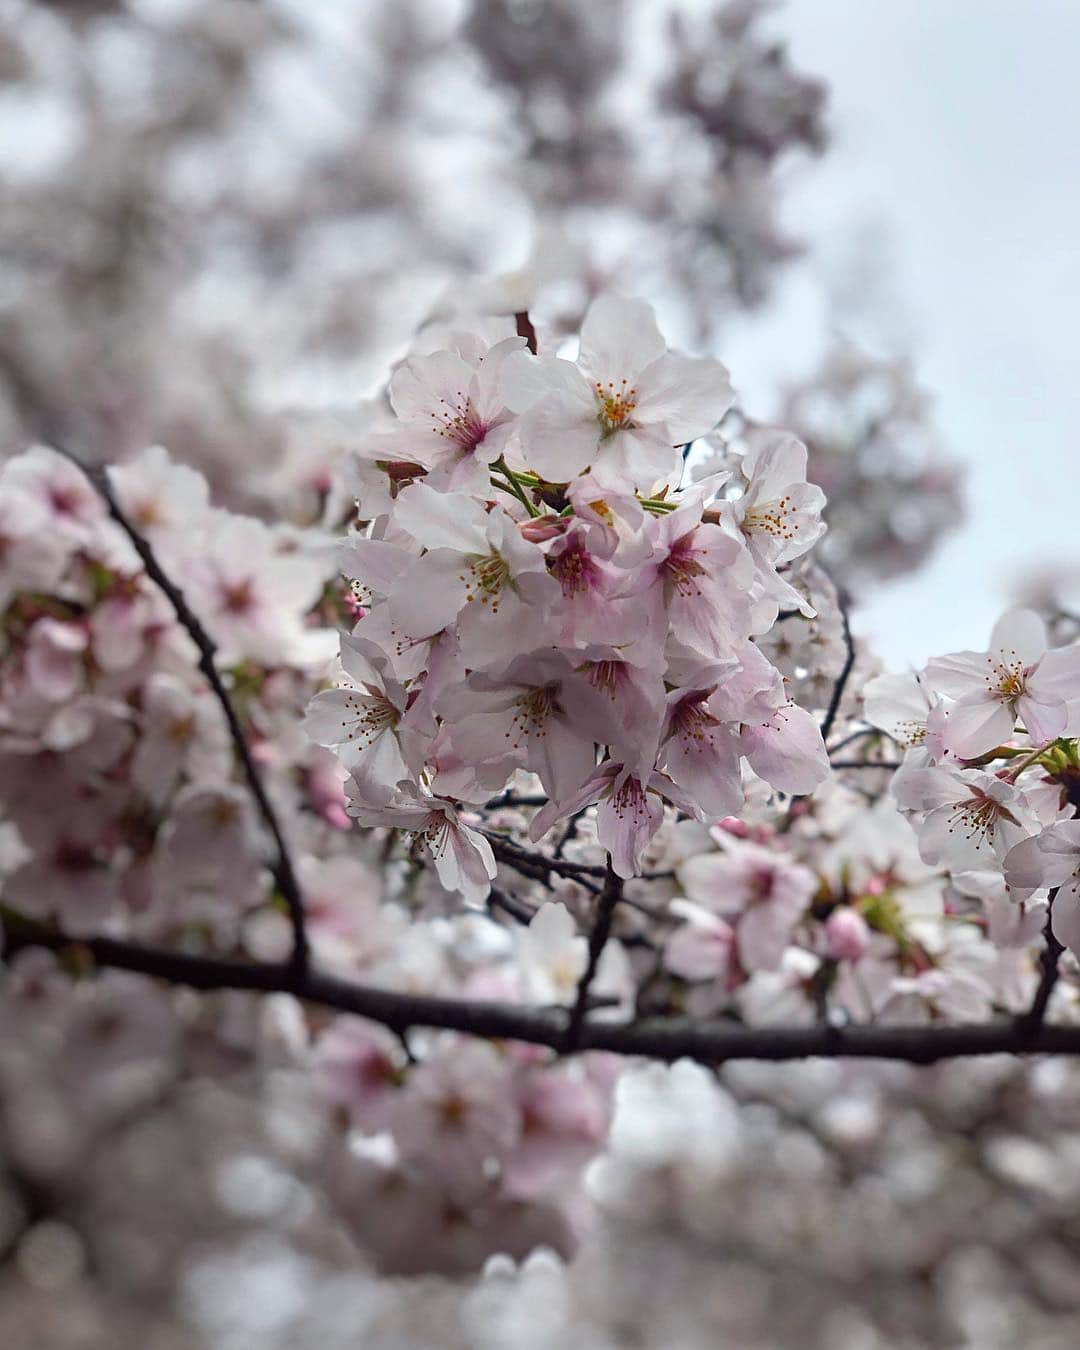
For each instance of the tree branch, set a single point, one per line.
(845, 669)
(1050, 963)
(663, 1038)
(283, 870)
(598, 938)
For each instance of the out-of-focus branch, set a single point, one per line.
(283, 870)
(601, 930)
(709, 1042)
(845, 669)
(1050, 964)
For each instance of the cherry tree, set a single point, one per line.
(417, 874)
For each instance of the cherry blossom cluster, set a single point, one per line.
(542, 592)
(122, 812)
(991, 774)
(118, 786)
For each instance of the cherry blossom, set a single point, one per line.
(1051, 859)
(623, 408)
(995, 690)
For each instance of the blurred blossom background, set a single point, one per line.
(222, 222)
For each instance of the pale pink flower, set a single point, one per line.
(72, 506)
(183, 734)
(457, 1115)
(697, 581)
(537, 714)
(360, 1067)
(702, 947)
(453, 412)
(33, 555)
(165, 501)
(785, 748)
(462, 856)
(994, 689)
(969, 820)
(623, 408)
(1051, 858)
(764, 894)
(362, 720)
(478, 573)
(779, 513)
(552, 955)
(629, 811)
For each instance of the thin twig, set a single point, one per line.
(863, 764)
(283, 870)
(845, 669)
(598, 938)
(1050, 965)
(524, 327)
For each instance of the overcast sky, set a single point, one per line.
(956, 159)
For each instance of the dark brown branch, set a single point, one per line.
(863, 764)
(845, 669)
(601, 930)
(711, 1042)
(859, 735)
(1050, 964)
(283, 870)
(525, 328)
(539, 866)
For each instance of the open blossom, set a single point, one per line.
(699, 578)
(1051, 859)
(779, 513)
(363, 720)
(625, 405)
(477, 566)
(902, 705)
(552, 955)
(252, 593)
(32, 556)
(538, 713)
(183, 734)
(462, 856)
(996, 689)
(452, 411)
(629, 810)
(702, 947)
(73, 510)
(166, 501)
(966, 820)
(765, 892)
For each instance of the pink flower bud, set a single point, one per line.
(542, 528)
(733, 825)
(846, 934)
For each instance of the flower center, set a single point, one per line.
(607, 677)
(681, 567)
(978, 816)
(369, 716)
(693, 721)
(616, 404)
(776, 518)
(1007, 678)
(487, 576)
(628, 797)
(459, 422)
(574, 570)
(239, 597)
(534, 708)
